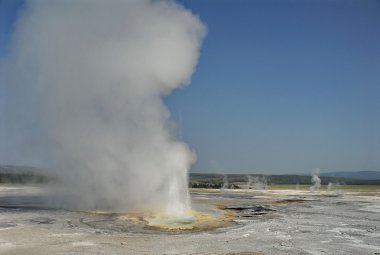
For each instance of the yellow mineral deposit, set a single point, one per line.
(196, 221)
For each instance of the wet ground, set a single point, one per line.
(232, 222)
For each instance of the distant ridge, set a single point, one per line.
(25, 174)
(362, 175)
(204, 179)
(21, 169)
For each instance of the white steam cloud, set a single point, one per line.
(315, 180)
(85, 82)
(257, 182)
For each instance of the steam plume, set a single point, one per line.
(249, 181)
(260, 183)
(333, 187)
(315, 180)
(225, 183)
(85, 85)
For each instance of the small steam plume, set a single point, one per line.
(332, 187)
(85, 82)
(249, 182)
(315, 180)
(225, 184)
(258, 183)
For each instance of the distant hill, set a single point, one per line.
(362, 175)
(20, 169)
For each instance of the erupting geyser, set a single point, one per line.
(85, 82)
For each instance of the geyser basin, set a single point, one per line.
(199, 221)
(193, 221)
(208, 217)
(338, 226)
(172, 222)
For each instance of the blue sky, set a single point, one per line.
(281, 86)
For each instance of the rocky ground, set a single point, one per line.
(240, 222)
